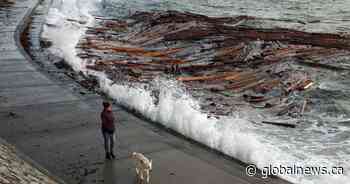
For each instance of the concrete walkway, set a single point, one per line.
(59, 128)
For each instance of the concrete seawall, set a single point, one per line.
(58, 128)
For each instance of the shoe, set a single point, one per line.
(108, 156)
(112, 155)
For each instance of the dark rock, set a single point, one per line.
(45, 43)
(135, 72)
(72, 75)
(215, 89)
(62, 65)
(12, 115)
(268, 105)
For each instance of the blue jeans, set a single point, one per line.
(108, 137)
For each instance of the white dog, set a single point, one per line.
(143, 167)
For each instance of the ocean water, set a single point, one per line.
(307, 15)
(320, 140)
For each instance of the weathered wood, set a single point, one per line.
(242, 82)
(213, 54)
(322, 65)
(254, 99)
(267, 85)
(303, 107)
(284, 124)
(206, 78)
(286, 109)
(77, 21)
(305, 84)
(250, 85)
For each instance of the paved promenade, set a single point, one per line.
(58, 127)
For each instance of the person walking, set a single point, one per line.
(108, 129)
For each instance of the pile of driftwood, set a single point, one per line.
(231, 62)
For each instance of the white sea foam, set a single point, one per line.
(234, 136)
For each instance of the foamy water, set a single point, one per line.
(317, 142)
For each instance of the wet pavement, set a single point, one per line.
(58, 127)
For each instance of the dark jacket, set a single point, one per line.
(107, 121)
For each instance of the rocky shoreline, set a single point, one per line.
(14, 169)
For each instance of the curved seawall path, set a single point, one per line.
(57, 126)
